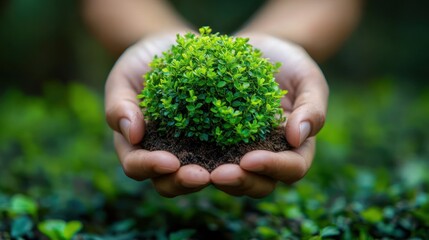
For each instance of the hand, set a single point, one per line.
(305, 106)
(126, 119)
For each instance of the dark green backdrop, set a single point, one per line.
(46, 40)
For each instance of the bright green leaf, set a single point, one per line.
(54, 229)
(221, 84)
(71, 229)
(21, 204)
(267, 233)
(372, 215)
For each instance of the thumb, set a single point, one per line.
(123, 113)
(309, 109)
(126, 118)
(304, 122)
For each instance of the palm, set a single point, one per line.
(305, 102)
(122, 87)
(259, 170)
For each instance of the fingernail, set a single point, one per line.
(124, 125)
(304, 131)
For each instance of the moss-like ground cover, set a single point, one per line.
(60, 177)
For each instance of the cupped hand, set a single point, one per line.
(124, 116)
(259, 171)
(305, 106)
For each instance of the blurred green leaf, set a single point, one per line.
(329, 231)
(293, 212)
(87, 106)
(372, 215)
(123, 226)
(53, 229)
(59, 229)
(338, 205)
(309, 227)
(269, 207)
(21, 204)
(182, 234)
(267, 233)
(22, 226)
(414, 172)
(71, 229)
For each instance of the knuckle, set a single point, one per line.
(241, 181)
(179, 181)
(130, 172)
(132, 175)
(271, 166)
(318, 119)
(321, 118)
(110, 114)
(301, 170)
(163, 191)
(266, 190)
(150, 166)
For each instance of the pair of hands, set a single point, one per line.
(258, 172)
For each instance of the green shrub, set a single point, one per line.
(213, 87)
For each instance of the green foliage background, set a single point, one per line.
(58, 166)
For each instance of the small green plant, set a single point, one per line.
(21, 205)
(213, 87)
(59, 229)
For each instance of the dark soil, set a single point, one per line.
(210, 155)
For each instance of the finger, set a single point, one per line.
(309, 107)
(124, 83)
(122, 111)
(233, 180)
(310, 102)
(308, 91)
(188, 179)
(287, 166)
(141, 164)
(126, 117)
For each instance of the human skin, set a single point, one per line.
(319, 26)
(258, 172)
(291, 39)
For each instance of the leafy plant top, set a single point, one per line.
(213, 87)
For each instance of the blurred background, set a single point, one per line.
(57, 160)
